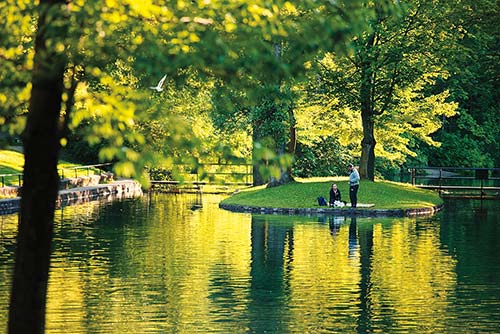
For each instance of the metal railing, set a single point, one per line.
(14, 176)
(86, 170)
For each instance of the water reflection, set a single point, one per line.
(272, 255)
(179, 264)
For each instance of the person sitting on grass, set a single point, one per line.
(335, 196)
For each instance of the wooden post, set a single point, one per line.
(440, 179)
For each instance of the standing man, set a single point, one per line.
(353, 185)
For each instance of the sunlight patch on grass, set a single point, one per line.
(12, 162)
(322, 179)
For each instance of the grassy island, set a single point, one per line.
(303, 193)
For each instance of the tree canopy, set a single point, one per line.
(92, 63)
(376, 83)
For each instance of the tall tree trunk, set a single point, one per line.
(285, 172)
(258, 179)
(367, 89)
(285, 175)
(367, 162)
(292, 143)
(39, 192)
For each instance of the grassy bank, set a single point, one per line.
(304, 193)
(12, 162)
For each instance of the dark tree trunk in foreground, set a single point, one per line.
(41, 149)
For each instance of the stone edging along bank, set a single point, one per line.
(113, 190)
(333, 211)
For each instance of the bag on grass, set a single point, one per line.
(322, 201)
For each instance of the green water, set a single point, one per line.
(173, 264)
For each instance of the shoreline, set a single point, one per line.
(73, 196)
(428, 211)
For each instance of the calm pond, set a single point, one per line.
(172, 264)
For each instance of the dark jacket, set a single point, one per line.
(335, 196)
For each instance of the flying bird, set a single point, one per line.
(158, 87)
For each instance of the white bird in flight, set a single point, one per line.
(158, 87)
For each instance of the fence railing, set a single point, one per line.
(208, 173)
(11, 179)
(453, 179)
(453, 173)
(87, 169)
(16, 179)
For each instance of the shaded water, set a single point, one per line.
(172, 264)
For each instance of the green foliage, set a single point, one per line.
(460, 150)
(414, 120)
(325, 157)
(271, 116)
(116, 49)
(16, 58)
(227, 40)
(262, 100)
(398, 62)
(240, 65)
(472, 137)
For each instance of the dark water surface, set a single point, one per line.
(172, 264)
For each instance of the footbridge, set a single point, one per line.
(481, 183)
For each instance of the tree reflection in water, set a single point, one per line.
(179, 264)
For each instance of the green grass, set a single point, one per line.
(304, 193)
(12, 162)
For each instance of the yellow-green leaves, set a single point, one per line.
(17, 28)
(117, 49)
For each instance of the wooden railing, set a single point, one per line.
(15, 177)
(453, 179)
(87, 170)
(228, 174)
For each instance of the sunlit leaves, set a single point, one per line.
(17, 28)
(118, 48)
(396, 60)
